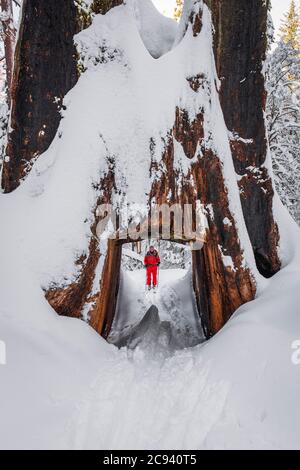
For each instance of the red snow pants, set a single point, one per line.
(152, 275)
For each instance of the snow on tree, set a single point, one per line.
(283, 118)
(178, 10)
(8, 33)
(184, 151)
(43, 73)
(283, 111)
(240, 44)
(290, 27)
(148, 130)
(7, 37)
(47, 71)
(157, 135)
(172, 255)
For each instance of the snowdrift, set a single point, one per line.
(64, 387)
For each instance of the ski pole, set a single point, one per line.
(146, 278)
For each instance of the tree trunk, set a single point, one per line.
(240, 44)
(220, 289)
(45, 70)
(103, 6)
(220, 286)
(223, 273)
(9, 34)
(79, 296)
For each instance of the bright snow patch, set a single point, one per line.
(63, 386)
(158, 33)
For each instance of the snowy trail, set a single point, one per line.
(162, 321)
(144, 373)
(149, 404)
(222, 394)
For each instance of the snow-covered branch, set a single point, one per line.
(283, 120)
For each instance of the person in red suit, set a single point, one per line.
(151, 262)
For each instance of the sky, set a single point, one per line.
(279, 7)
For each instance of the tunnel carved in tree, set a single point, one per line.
(222, 281)
(219, 289)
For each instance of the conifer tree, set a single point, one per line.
(178, 10)
(290, 27)
(8, 34)
(283, 116)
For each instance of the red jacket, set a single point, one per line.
(152, 259)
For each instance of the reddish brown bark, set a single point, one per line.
(103, 6)
(45, 70)
(189, 134)
(220, 288)
(72, 299)
(102, 314)
(240, 44)
(100, 306)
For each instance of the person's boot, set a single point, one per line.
(149, 287)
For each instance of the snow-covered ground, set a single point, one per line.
(65, 387)
(175, 325)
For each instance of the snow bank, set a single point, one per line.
(157, 31)
(63, 386)
(240, 390)
(123, 101)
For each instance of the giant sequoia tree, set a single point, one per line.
(179, 141)
(240, 46)
(45, 69)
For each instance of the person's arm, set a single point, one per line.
(146, 261)
(158, 260)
